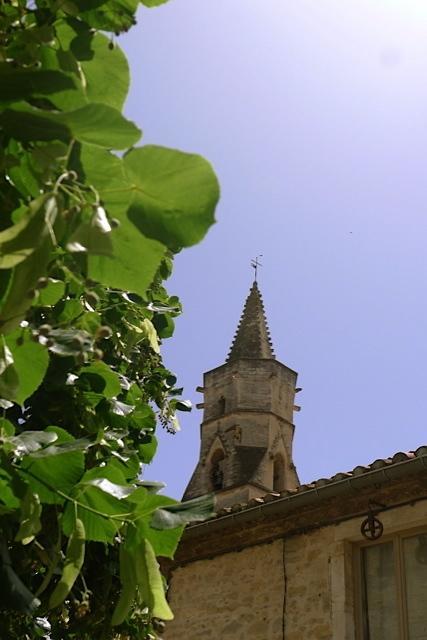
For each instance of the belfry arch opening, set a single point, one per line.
(278, 473)
(216, 471)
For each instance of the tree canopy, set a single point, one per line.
(88, 229)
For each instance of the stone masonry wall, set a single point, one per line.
(297, 589)
(237, 596)
(241, 595)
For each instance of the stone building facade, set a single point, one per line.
(343, 558)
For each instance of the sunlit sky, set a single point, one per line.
(314, 116)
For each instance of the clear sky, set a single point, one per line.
(314, 116)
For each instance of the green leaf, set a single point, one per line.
(150, 582)
(96, 124)
(23, 176)
(183, 405)
(19, 294)
(183, 513)
(50, 295)
(95, 505)
(175, 195)
(150, 332)
(31, 361)
(20, 240)
(28, 441)
(110, 380)
(136, 259)
(128, 591)
(164, 325)
(133, 265)
(27, 124)
(116, 490)
(52, 474)
(6, 428)
(9, 502)
(164, 542)
(109, 88)
(9, 381)
(153, 3)
(70, 310)
(93, 237)
(113, 15)
(100, 125)
(30, 518)
(73, 563)
(20, 84)
(95, 508)
(81, 444)
(147, 450)
(87, 55)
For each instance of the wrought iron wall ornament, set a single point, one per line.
(372, 528)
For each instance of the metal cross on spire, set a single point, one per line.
(255, 263)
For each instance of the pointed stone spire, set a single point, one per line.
(252, 338)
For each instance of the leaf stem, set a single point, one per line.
(118, 516)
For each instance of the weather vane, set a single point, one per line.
(255, 264)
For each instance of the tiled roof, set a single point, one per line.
(380, 463)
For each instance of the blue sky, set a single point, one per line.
(314, 116)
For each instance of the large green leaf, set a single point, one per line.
(51, 294)
(27, 442)
(136, 258)
(31, 361)
(175, 195)
(164, 542)
(129, 586)
(95, 508)
(147, 450)
(19, 293)
(93, 236)
(108, 381)
(107, 173)
(87, 55)
(110, 15)
(94, 503)
(96, 124)
(20, 240)
(100, 125)
(19, 84)
(109, 88)
(52, 474)
(183, 513)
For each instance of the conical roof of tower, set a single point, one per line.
(252, 339)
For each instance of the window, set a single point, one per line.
(216, 470)
(393, 580)
(278, 473)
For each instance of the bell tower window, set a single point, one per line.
(217, 470)
(278, 473)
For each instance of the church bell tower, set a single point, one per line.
(247, 429)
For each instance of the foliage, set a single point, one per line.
(87, 238)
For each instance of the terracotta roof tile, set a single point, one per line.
(398, 458)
